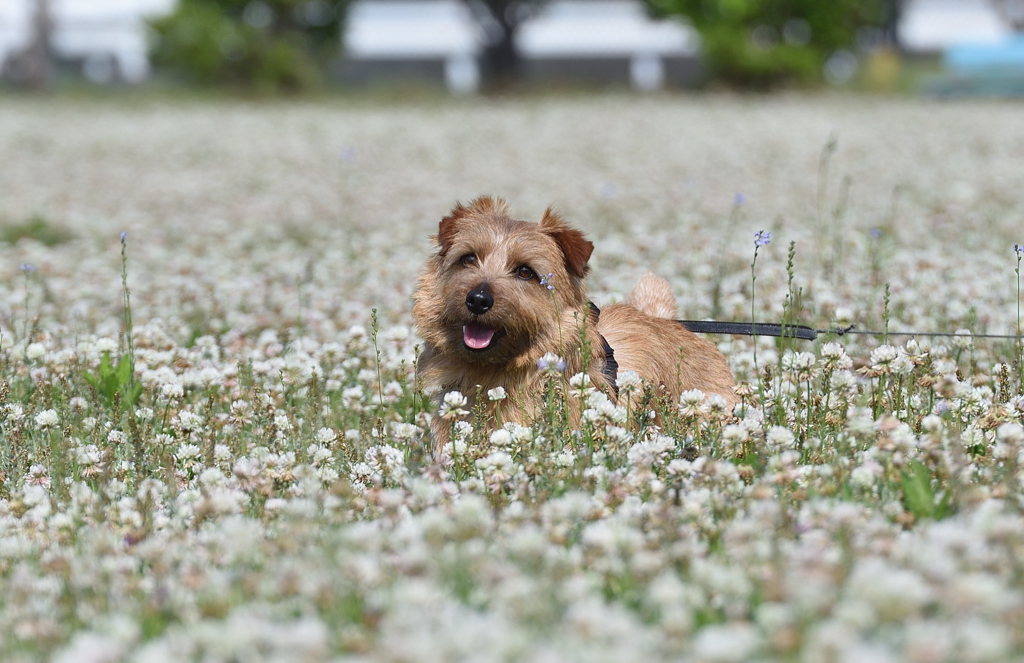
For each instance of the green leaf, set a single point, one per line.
(918, 495)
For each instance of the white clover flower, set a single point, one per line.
(172, 390)
(628, 382)
(866, 474)
(392, 391)
(834, 357)
(726, 643)
(734, 436)
(117, 437)
(932, 424)
(580, 382)
(564, 458)
(963, 339)
(691, 403)
(551, 361)
(617, 434)
(716, 404)
(35, 351)
(883, 357)
(844, 316)
(497, 462)
(222, 453)
(779, 437)
(15, 412)
(47, 419)
(325, 436)
(385, 460)
(520, 434)
(404, 431)
(37, 476)
(798, 362)
(188, 420)
(188, 452)
(597, 399)
(463, 429)
(453, 405)
(1010, 433)
(501, 438)
(497, 394)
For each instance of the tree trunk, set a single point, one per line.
(32, 68)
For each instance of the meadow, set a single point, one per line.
(245, 476)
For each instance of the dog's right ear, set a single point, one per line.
(575, 247)
(446, 230)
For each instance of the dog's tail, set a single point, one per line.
(653, 295)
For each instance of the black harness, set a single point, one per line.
(610, 370)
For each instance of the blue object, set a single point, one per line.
(1005, 56)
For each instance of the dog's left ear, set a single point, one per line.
(575, 247)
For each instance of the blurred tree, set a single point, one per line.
(764, 43)
(263, 44)
(501, 61)
(32, 67)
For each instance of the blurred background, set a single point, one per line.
(940, 47)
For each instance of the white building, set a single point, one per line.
(609, 41)
(413, 39)
(108, 37)
(930, 26)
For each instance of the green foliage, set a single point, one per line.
(36, 227)
(267, 45)
(113, 380)
(918, 496)
(763, 43)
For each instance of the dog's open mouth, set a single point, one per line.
(476, 336)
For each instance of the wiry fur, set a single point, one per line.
(531, 320)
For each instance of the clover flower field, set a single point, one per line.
(260, 487)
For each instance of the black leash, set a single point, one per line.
(806, 333)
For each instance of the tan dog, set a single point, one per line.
(500, 294)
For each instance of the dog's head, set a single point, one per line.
(498, 287)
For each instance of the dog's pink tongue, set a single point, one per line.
(477, 336)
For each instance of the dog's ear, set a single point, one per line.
(446, 230)
(575, 247)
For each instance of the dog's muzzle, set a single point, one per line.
(480, 301)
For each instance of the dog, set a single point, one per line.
(501, 296)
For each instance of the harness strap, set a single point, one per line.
(610, 370)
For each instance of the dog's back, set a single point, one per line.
(647, 339)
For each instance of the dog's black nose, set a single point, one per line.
(480, 301)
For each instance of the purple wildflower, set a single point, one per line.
(762, 238)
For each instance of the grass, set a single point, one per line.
(260, 484)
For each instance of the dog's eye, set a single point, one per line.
(468, 259)
(525, 273)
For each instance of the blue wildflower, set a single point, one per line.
(762, 238)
